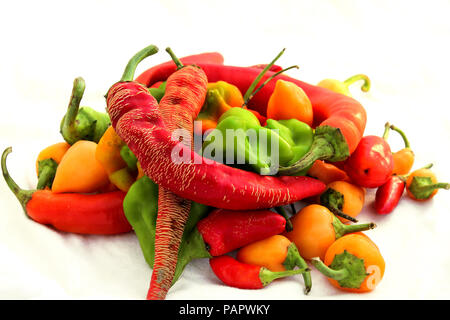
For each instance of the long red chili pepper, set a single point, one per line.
(72, 212)
(330, 108)
(224, 231)
(137, 120)
(182, 101)
(388, 195)
(246, 276)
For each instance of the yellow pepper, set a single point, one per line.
(342, 86)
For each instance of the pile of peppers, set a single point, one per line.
(115, 172)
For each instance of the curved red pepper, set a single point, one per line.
(224, 231)
(100, 213)
(388, 195)
(330, 108)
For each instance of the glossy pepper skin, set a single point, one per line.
(276, 253)
(246, 276)
(136, 118)
(371, 164)
(224, 230)
(100, 213)
(294, 139)
(388, 195)
(141, 209)
(329, 108)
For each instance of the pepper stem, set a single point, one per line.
(328, 144)
(69, 125)
(175, 59)
(22, 195)
(46, 173)
(386, 130)
(327, 271)
(281, 211)
(294, 259)
(128, 74)
(366, 85)
(265, 82)
(334, 201)
(266, 276)
(261, 74)
(341, 229)
(403, 135)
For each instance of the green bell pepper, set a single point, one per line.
(240, 138)
(158, 92)
(141, 207)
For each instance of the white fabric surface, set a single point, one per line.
(401, 45)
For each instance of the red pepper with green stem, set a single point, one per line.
(224, 230)
(100, 213)
(371, 164)
(137, 120)
(246, 276)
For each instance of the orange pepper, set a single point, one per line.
(344, 196)
(327, 172)
(47, 162)
(289, 101)
(404, 158)
(276, 253)
(352, 263)
(79, 170)
(315, 228)
(108, 154)
(422, 184)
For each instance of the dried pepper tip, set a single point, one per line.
(329, 144)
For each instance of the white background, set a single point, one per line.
(401, 45)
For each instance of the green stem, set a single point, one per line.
(45, 177)
(22, 195)
(69, 125)
(266, 276)
(329, 144)
(341, 214)
(265, 82)
(341, 229)
(334, 201)
(175, 59)
(281, 211)
(386, 131)
(405, 139)
(327, 271)
(366, 85)
(261, 74)
(294, 259)
(128, 74)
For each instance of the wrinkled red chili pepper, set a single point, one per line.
(100, 213)
(388, 195)
(137, 120)
(330, 108)
(246, 276)
(224, 231)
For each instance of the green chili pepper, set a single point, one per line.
(82, 123)
(250, 144)
(141, 208)
(158, 92)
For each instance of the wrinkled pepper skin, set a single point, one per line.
(224, 230)
(141, 209)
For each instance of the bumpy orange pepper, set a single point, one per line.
(289, 101)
